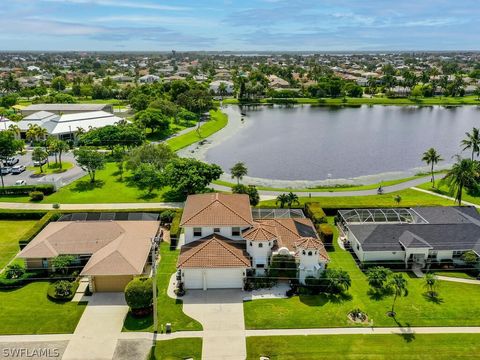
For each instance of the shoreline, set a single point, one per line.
(199, 152)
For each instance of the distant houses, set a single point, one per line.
(61, 109)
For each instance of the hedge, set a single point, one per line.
(20, 281)
(175, 228)
(21, 214)
(315, 213)
(326, 233)
(47, 189)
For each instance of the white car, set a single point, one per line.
(20, 183)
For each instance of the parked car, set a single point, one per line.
(12, 161)
(38, 163)
(5, 170)
(20, 183)
(18, 169)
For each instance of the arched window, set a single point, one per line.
(251, 243)
(309, 253)
(303, 252)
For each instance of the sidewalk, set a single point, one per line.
(459, 280)
(445, 197)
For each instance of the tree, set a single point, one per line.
(431, 157)
(398, 285)
(119, 154)
(460, 176)
(8, 100)
(90, 160)
(40, 155)
(8, 147)
(282, 199)
(158, 155)
(470, 257)
(250, 190)
(61, 263)
(292, 199)
(197, 101)
(63, 289)
(377, 277)
(153, 119)
(14, 271)
(59, 83)
(472, 142)
(190, 176)
(61, 147)
(477, 92)
(238, 171)
(431, 284)
(139, 294)
(147, 177)
(334, 281)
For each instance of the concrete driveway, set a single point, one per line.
(97, 332)
(221, 314)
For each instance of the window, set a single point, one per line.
(260, 266)
(251, 243)
(309, 253)
(260, 245)
(358, 247)
(216, 230)
(235, 231)
(197, 231)
(457, 253)
(304, 253)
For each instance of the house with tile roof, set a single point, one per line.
(224, 240)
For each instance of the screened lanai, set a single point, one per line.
(375, 216)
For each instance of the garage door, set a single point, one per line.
(213, 278)
(111, 283)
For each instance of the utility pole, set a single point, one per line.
(154, 285)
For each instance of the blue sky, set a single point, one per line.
(322, 25)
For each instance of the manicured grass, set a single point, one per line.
(169, 310)
(455, 274)
(218, 120)
(442, 188)
(465, 100)
(454, 306)
(337, 188)
(11, 232)
(409, 197)
(417, 346)
(51, 169)
(27, 310)
(178, 349)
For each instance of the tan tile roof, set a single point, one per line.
(214, 251)
(309, 243)
(117, 247)
(216, 209)
(260, 232)
(290, 230)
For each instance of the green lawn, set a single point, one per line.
(409, 197)
(454, 274)
(442, 188)
(421, 347)
(453, 308)
(330, 188)
(51, 169)
(178, 349)
(27, 310)
(465, 100)
(11, 232)
(218, 121)
(169, 310)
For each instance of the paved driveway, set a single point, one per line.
(221, 314)
(97, 332)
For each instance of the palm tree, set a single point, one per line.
(431, 284)
(39, 155)
(282, 199)
(462, 174)
(431, 157)
(399, 287)
(62, 147)
(292, 199)
(472, 142)
(239, 170)
(15, 130)
(32, 132)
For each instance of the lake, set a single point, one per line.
(306, 142)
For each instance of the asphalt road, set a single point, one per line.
(28, 175)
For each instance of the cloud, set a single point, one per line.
(122, 3)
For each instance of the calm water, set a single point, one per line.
(309, 143)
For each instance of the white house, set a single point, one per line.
(414, 237)
(215, 85)
(148, 79)
(223, 239)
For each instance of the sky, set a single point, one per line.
(239, 25)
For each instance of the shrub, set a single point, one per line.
(283, 266)
(62, 290)
(167, 216)
(326, 233)
(20, 281)
(61, 263)
(14, 271)
(175, 228)
(36, 196)
(138, 294)
(315, 213)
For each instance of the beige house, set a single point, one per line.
(110, 252)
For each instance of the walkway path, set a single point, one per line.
(445, 197)
(458, 280)
(97, 332)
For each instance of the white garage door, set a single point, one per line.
(213, 278)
